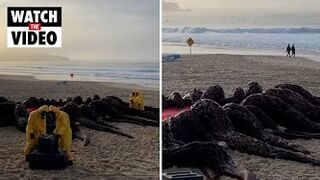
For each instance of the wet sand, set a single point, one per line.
(230, 71)
(108, 156)
(18, 88)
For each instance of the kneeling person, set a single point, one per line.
(63, 132)
(36, 127)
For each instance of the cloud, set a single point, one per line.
(173, 7)
(232, 13)
(113, 31)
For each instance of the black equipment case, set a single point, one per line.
(47, 156)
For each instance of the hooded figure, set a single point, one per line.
(36, 127)
(134, 100)
(140, 101)
(63, 131)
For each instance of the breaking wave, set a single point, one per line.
(300, 30)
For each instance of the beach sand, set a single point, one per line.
(108, 156)
(230, 71)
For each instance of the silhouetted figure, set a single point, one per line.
(288, 51)
(293, 50)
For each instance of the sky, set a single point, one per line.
(241, 13)
(115, 31)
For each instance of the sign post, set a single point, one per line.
(190, 42)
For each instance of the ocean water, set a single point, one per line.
(141, 74)
(306, 40)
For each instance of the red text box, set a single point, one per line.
(35, 26)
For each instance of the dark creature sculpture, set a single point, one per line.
(96, 97)
(150, 112)
(255, 123)
(95, 114)
(238, 95)
(78, 100)
(165, 103)
(264, 119)
(32, 102)
(272, 127)
(209, 157)
(13, 114)
(298, 102)
(113, 109)
(303, 92)
(77, 119)
(246, 122)
(207, 122)
(215, 93)
(224, 131)
(253, 88)
(175, 99)
(287, 95)
(192, 96)
(7, 109)
(282, 113)
(183, 150)
(3, 99)
(21, 117)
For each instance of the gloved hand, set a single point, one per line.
(32, 136)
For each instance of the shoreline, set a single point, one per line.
(19, 88)
(114, 84)
(181, 48)
(79, 79)
(145, 75)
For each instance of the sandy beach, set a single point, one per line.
(231, 71)
(108, 156)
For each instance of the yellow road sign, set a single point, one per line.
(190, 41)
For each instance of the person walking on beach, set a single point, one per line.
(293, 50)
(288, 51)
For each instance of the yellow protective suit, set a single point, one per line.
(140, 101)
(63, 129)
(136, 100)
(36, 126)
(133, 99)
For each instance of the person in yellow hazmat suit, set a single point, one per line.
(133, 99)
(136, 100)
(140, 101)
(63, 132)
(36, 127)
